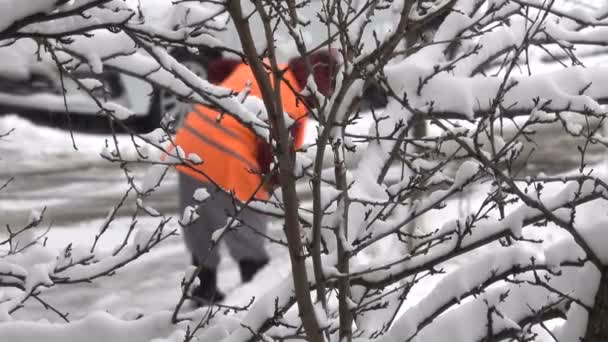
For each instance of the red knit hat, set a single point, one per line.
(324, 66)
(219, 69)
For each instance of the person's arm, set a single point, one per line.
(265, 153)
(264, 161)
(298, 132)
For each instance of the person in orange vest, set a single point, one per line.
(235, 162)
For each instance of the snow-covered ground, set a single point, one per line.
(78, 189)
(150, 286)
(141, 296)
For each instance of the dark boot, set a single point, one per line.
(207, 292)
(250, 267)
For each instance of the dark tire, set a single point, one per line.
(100, 124)
(73, 121)
(85, 123)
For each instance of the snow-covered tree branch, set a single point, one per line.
(417, 199)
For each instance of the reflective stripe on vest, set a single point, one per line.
(229, 149)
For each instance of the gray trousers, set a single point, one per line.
(242, 241)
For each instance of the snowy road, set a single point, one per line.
(77, 194)
(78, 189)
(45, 170)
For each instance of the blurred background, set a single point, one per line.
(43, 167)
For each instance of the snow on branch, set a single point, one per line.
(419, 199)
(573, 89)
(461, 236)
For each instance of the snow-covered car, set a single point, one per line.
(33, 86)
(39, 92)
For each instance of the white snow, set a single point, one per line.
(14, 10)
(99, 326)
(200, 194)
(151, 286)
(120, 280)
(153, 177)
(118, 111)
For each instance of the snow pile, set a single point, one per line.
(54, 149)
(97, 327)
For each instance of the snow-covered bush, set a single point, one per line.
(469, 69)
(385, 249)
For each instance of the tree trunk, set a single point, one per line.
(272, 102)
(597, 326)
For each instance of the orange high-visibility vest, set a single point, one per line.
(229, 149)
